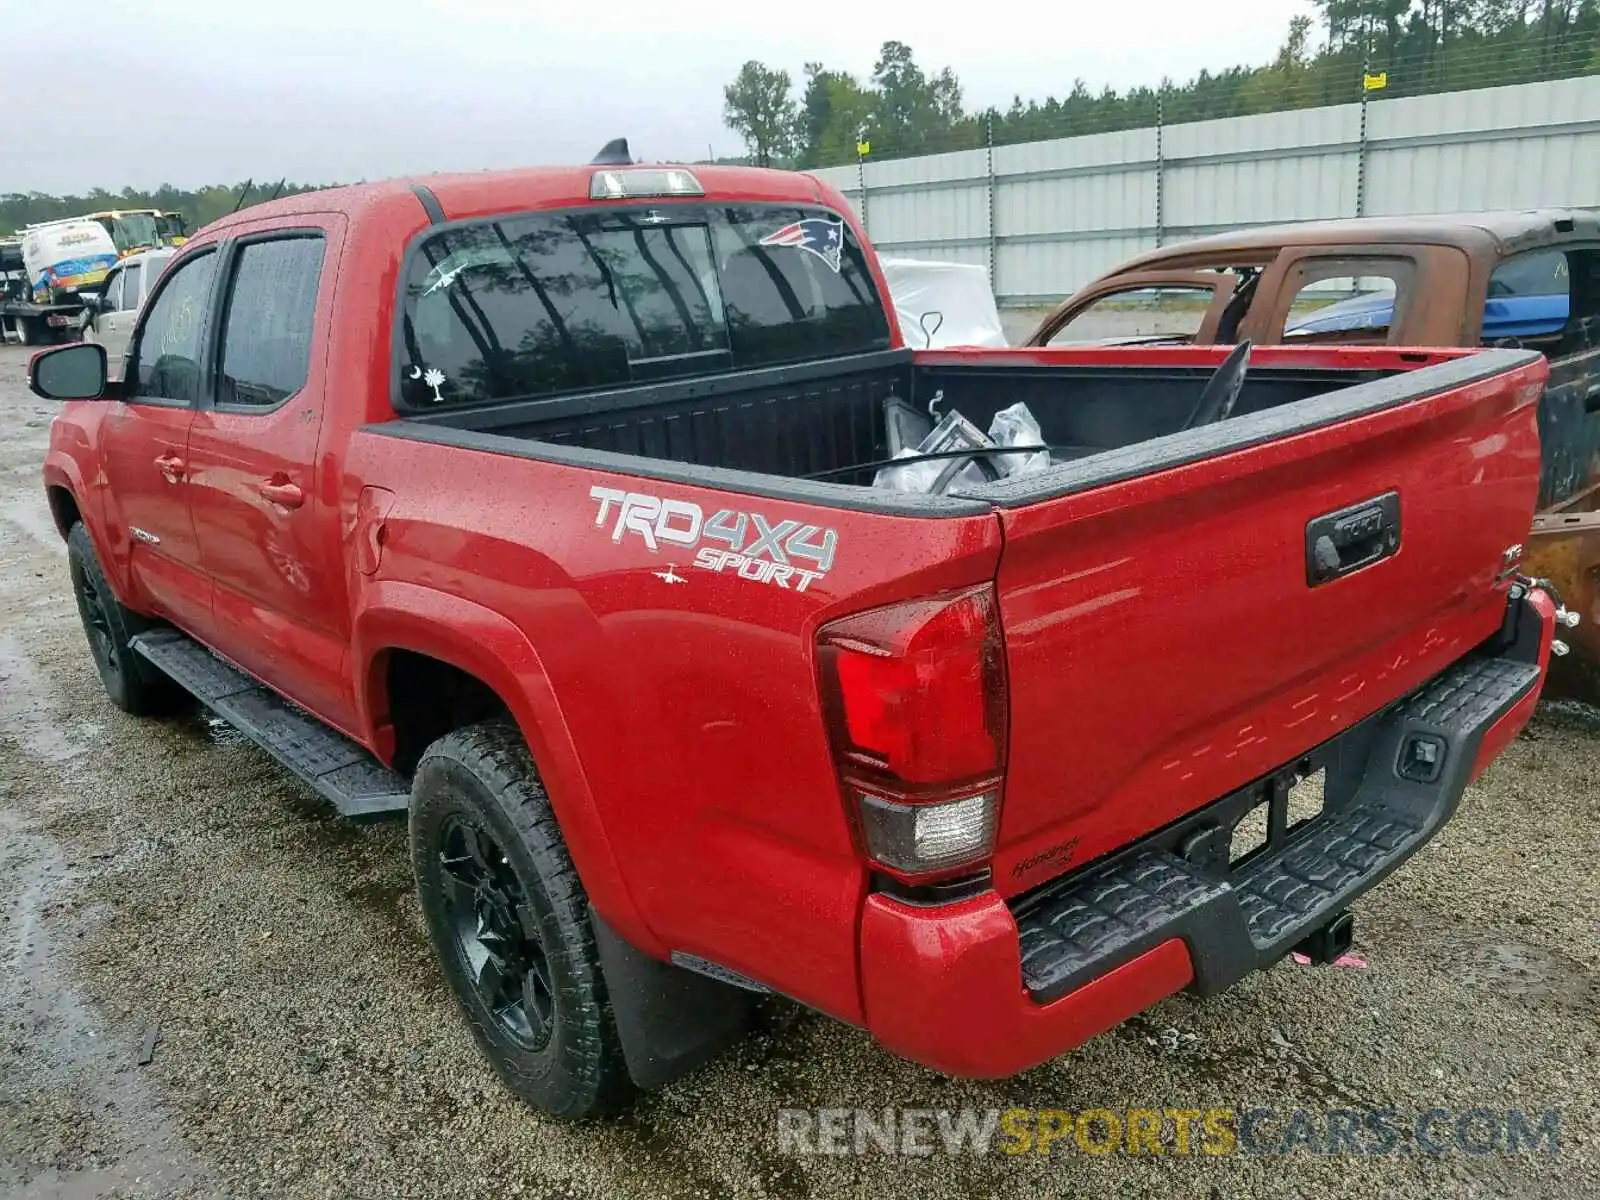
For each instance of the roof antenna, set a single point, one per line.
(613, 154)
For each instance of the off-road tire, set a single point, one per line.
(134, 685)
(483, 776)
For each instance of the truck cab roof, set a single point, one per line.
(469, 194)
(1488, 233)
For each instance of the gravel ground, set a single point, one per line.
(166, 881)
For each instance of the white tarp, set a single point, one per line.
(950, 301)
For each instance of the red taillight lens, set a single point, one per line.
(915, 696)
(917, 690)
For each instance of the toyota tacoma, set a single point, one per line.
(540, 506)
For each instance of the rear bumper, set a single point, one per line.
(988, 988)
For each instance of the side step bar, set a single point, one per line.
(357, 784)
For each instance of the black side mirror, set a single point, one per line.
(76, 372)
(91, 300)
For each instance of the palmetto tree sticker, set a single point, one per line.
(434, 378)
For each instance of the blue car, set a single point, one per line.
(1510, 316)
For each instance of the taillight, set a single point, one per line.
(915, 698)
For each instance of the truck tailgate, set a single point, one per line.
(1175, 632)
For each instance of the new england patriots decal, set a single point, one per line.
(814, 235)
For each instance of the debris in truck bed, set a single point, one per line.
(937, 465)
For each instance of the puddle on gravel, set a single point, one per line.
(1574, 714)
(200, 729)
(93, 1127)
(393, 900)
(25, 711)
(27, 512)
(218, 732)
(1528, 972)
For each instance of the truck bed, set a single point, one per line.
(825, 421)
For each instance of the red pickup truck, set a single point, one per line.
(540, 505)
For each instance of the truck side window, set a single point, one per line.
(1583, 323)
(1164, 312)
(112, 294)
(165, 361)
(129, 299)
(1348, 301)
(1530, 299)
(267, 324)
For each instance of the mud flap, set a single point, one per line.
(670, 1020)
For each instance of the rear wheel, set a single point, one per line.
(132, 683)
(29, 331)
(511, 922)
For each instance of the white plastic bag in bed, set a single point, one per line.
(1015, 426)
(924, 476)
(952, 434)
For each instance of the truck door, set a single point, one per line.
(144, 449)
(266, 518)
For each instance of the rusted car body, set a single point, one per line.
(1528, 278)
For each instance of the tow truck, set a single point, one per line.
(134, 229)
(22, 318)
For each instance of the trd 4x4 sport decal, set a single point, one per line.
(756, 549)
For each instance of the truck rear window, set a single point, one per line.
(547, 303)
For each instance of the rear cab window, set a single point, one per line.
(548, 303)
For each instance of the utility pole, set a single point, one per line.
(1161, 164)
(863, 148)
(988, 144)
(1361, 158)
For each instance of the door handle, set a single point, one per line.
(171, 466)
(284, 495)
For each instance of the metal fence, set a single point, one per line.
(1046, 217)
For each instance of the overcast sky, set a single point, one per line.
(190, 92)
